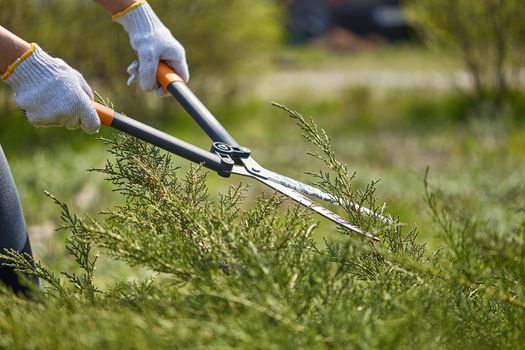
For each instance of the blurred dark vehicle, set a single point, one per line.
(311, 18)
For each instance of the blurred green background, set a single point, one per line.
(422, 92)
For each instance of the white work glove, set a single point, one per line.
(51, 93)
(152, 42)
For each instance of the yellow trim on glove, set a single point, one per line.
(125, 11)
(11, 68)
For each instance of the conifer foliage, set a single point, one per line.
(238, 274)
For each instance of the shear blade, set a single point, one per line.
(305, 201)
(315, 192)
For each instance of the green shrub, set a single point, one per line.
(236, 276)
(487, 34)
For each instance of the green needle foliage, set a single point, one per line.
(231, 274)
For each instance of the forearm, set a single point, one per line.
(11, 48)
(115, 6)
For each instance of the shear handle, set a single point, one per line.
(174, 84)
(160, 139)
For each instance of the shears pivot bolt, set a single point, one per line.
(221, 148)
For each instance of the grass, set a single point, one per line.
(401, 57)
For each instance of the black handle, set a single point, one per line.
(213, 161)
(176, 86)
(201, 114)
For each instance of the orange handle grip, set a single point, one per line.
(166, 75)
(105, 114)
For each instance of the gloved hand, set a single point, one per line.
(51, 93)
(152, 42)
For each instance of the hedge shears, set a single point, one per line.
(226, 156)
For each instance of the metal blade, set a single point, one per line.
(305, 201)
(315, 192)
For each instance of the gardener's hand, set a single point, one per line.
(152, 42)
(51, 93)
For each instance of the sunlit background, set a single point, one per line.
(399, 86)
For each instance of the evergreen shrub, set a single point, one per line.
(237, 275)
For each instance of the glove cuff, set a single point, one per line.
(138, 18)
(19, 60)
(35, 67)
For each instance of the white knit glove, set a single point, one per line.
(51, 93)
(152, 42)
